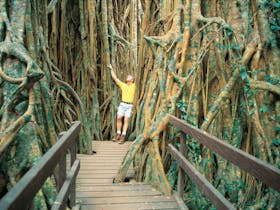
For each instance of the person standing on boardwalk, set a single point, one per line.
(125, 107)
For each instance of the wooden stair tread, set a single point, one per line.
(95, 188)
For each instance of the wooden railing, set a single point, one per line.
(265, 172)
(23, 193)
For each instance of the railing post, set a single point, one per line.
(73, 152)
(61, 170)
(61, 167)
(181, 179)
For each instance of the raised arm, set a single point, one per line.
(113, 74)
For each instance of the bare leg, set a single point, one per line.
(119, 123)
(119, 128)
(125, 125)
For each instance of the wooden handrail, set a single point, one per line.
(22, 194)
(267, 173)
(211, 192)
(62, 196)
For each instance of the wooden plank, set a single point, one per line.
(99, 168)
(116, 167)
(104, 146)
(97, 163)
(27, 187)
(95, 189)
(110, 147)
(101, 175)
(126, 199)
(97, 144)
(111, 157)
(112, 187)
(109, 142)
(180, 201)
(73, 156)
(61, 172)
(181, 177)
(98, 171)
(267, 173)
(105, 153)
(94, 184)
(95, 181)
(124, 193)
(131, 206)
(63, 194)
(61, 168)
(120, 157)
(201, 182)
(111, 150)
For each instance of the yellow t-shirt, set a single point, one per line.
(128, 91)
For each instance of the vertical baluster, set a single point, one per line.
(61, 170)
(181, 179)
(61, 167)
(73, 153)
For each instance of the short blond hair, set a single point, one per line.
(130, 78)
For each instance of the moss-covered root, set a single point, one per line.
(128, 158)
(158, 179)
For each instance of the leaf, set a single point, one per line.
(243, 75)
(275, 142)
(275, 28)
(277, 4)
(267, 78)
(243, 72)
(255, 74)
(183, 109)
(252, 111)
(251, 103)
(277, 128)
(264, 109)
(189, 57)
(251, 92)
(229, 30)
(273, 22)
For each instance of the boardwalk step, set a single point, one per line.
(126, 199)
(132, 206)
(113, 187)
(95, 188)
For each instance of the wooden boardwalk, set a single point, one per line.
(95, 189)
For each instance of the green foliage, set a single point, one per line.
(272, 80)
(172, 174)
(243, 73)
(229, 47)
(189, 57)
(251, 102)
(196, 200)
(183, 108)
(272, 9)
(229, 31)
(194, 44)
(276, 142)
(275, 147)
(250, 92)
(264, 108)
